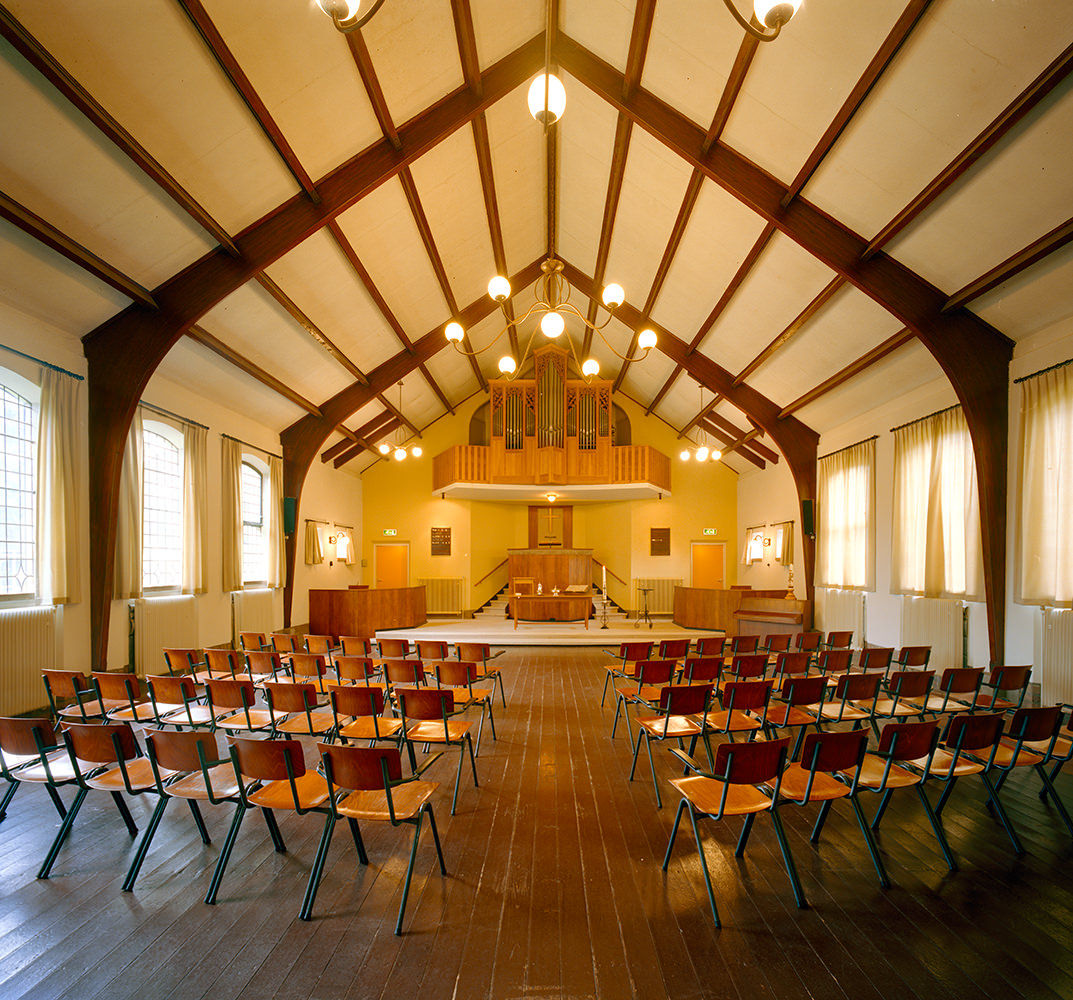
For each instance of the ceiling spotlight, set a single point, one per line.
(552, 324)
(547, 98)
(590, 368)
(507, 364)
(552, 497)
(499, 288)
(453, 331)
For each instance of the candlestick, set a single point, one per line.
(604, 587)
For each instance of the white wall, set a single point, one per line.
(767, 497)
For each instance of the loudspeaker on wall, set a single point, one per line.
(290, 514)
(808, 518)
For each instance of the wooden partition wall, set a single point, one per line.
(740, 611)
(363, 612)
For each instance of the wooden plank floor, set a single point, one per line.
(554, 890)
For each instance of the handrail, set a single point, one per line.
(610, 572)
(490, 572)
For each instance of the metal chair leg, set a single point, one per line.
(225, 854)
(199, 822)
(306, 913)
(674, 833)
(821, 818)
(12, 788)
(636, 752)
(704, 866)
(1000, 811)
(409, 873)
(938, 828)
(788, 859)
(603, 697)
(132, 827)
(273, 831)
(458, 775)
(873, 848)
(56, 800)
(743, 838)
(878, 817)
(652, 767)
(359, 843)
(61, 836)
(143, 844)
(1049, 785)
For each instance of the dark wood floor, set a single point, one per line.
(555, 890)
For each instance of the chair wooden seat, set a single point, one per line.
(936, 703)
(319, 722)
(364, 729)
(706, 795)
(406, 800)
(1007, 754)
(824, 787)
(199, 715)
(311, 787)
(59, 767)
(942, 760)
(895, 708)
(873, 768)
(229, 718)
(139, 774)
(676, 727)
(88, 709)
(143, 712)
(733, 721)
(221, 778)
(789, 715)
(432, 730)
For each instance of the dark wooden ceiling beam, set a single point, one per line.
(735, 81)
(725, 440)
(467, 44)
(46, 233)
(895, 39)
(721, 422)
(1013, 113)
(359, 51)
(353, 451)
(1013, 265)
(42, 61)
(551, 188)
(795, 326)
(853, 369)
(227, 62)
(700, 415)
(366, 432)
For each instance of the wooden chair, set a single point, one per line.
(481, 654)
(907, 691)
(808, 642)
(185, 766)
(702, 670)
(31, 751)
(232, 705)
(674, 720)
(797, 707)
(839, 640)
(913, 657)
(673, 649)
(1005, 689)
(432, 650)
(744, 709)
(959, 689)
(355, 645)
(393, 649)
(176, 702)
(353, 671)
(854, 699)
(368, 784)
(775, 644)
(310, 668)
(427, 717)
(875, 658)
(105, 757)
(181, 662)
(253, 641)
(629, 653)
(794, 664)
(225, 664)
(73, 688)
(709, 645)
(824, 756)
(834, 662)
(746, 666)
(399, 674)
(642, 689)
(271, 775)
(359, 715)
(293, 707)
(285, 643)
(124, 694)
(460, 678)
(743, 644)
(264, 665)
(321, 645)
(737, 786)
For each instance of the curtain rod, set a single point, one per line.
(174, 416)
(838, 451)
(46, 364)
(1043, 371)
(909, 423)
(315, 520)
(255, 447)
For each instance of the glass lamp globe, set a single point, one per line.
(590, 368)
(556, 99)
(384, 449)
(613, 295)
(715, 455)
(453, 331)
(400, 454)
(416, 451)
(499, 288)
(702, 454)
(342, 10)
(685, 454)
(552, 324)
(507, 364)
(646, 340)
(773, 13)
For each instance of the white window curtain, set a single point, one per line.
(936, 549)
(344, 546)
(754, 545)
(845, 502)
(314, 550)
(195, 509)
(1045, 560)
(128, 548)
(277, 552)
(231, 513)
(58, 488)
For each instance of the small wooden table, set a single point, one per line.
(550, 608)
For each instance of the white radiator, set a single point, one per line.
(842, 610)
(161, 623)
(661, 600)
(1056, 667)
(28, 639)
(928, 621)
(443, 594)
(253, 611)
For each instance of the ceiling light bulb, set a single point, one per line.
(384, 449)
(507, 364)
(556, 99)
(552, 325)
(590, 368)
(415, 451)
(774, 13)
(613, 296)
(453, 331)
(646, 340)
(702, 454)
(715, 455)
(499, 288)
(685, 454)
(552, 497)
(400, 454)
(342, 10)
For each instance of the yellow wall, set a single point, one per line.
(399, 495)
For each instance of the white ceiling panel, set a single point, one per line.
(849, 326)
(645, 378)
(302, 69)
(586, 145)
(1034, 299)
(453, 373)
(783, 281)
(251, 322)
(151, 70)
(603, 26)
(500, 30)
(207, 374)
(38, 281)
(319, 279)
(419, 402)
(385, 237)
(962, 65)
(1013, 197)
(681, 403)
(796, 85)
(517, 144)
(652, 191)
(415, 55)
(719, 235)
(449, 184)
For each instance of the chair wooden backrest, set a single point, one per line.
(252, 640)
(285, 642)
(910, 683)
(908, 741)
(167, 689)
(230, 693)
(961, 680)
(427, 705)
(654, 672)
(839, 640)
(1033, 725)
(117, 687)
(288, 697)
(858, 687)
(356, 702)
(808, 642)
(264, 662)
(273, 760)
(67, 684)
(803, 690)
(702, 669)
(27, 736)
(182, 751)
(967, 731)
(792, 664)
(875, 658)
(744, 643)
(362, 769)
(432, 649)
(684, 699)
(319, 644)
(356, 645)
(229, 661)
(355, 668)
(751, 763)
(456, 673)
(393, 649)
(831, 753)
(308, 665)
(673, 649)
(709, 645)
(1009, 679)
(835, 661)
(913, 656)
(746, 696)
(101, 743)
(476, 652)
(777, 643)
(748, 665)
(183, 661)
(405, 672)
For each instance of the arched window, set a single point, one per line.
(254, 523)
(162, 506)
(18, 452)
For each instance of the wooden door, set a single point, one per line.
(391, 564)
(708, 562)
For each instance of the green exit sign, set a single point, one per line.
(390, 532)
(709, 531)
